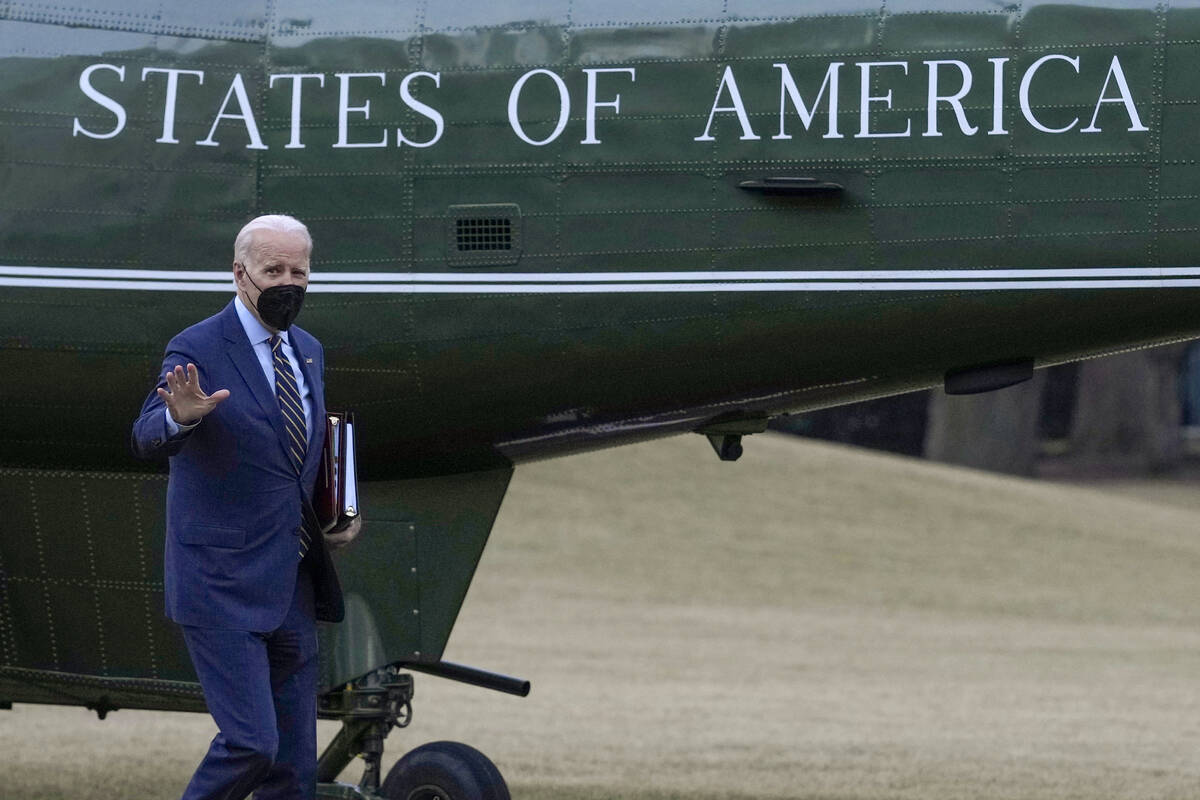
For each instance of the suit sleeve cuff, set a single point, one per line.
(174, 428)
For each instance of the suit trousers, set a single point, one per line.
(261, 689)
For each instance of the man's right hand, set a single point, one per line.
(185, 400)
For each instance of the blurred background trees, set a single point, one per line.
(1134, 413)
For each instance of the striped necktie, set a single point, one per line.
(288, 395)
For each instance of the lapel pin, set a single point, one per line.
(308, 361)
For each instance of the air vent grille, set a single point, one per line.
(483, 235)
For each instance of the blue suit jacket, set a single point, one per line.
(234, 501)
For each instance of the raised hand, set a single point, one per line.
(186, 401)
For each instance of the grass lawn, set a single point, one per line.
(813, 621)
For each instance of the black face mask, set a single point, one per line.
(278, 305)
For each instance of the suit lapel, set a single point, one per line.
(241, 352)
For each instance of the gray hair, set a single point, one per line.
(267, 222)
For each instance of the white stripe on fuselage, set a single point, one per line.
(622, 282)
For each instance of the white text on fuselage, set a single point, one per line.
(947, 82)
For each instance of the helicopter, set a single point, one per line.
(542, 228)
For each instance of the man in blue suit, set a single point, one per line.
(247, 570)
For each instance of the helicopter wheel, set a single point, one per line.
(444, 771)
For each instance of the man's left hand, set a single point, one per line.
(340, 537)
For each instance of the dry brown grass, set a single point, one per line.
(811, 622)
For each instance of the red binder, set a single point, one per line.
(335, 497)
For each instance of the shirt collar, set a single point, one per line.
(255, 331)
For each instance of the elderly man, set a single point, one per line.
(247, 572)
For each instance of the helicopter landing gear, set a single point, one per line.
(370, 707)
(444, 771)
